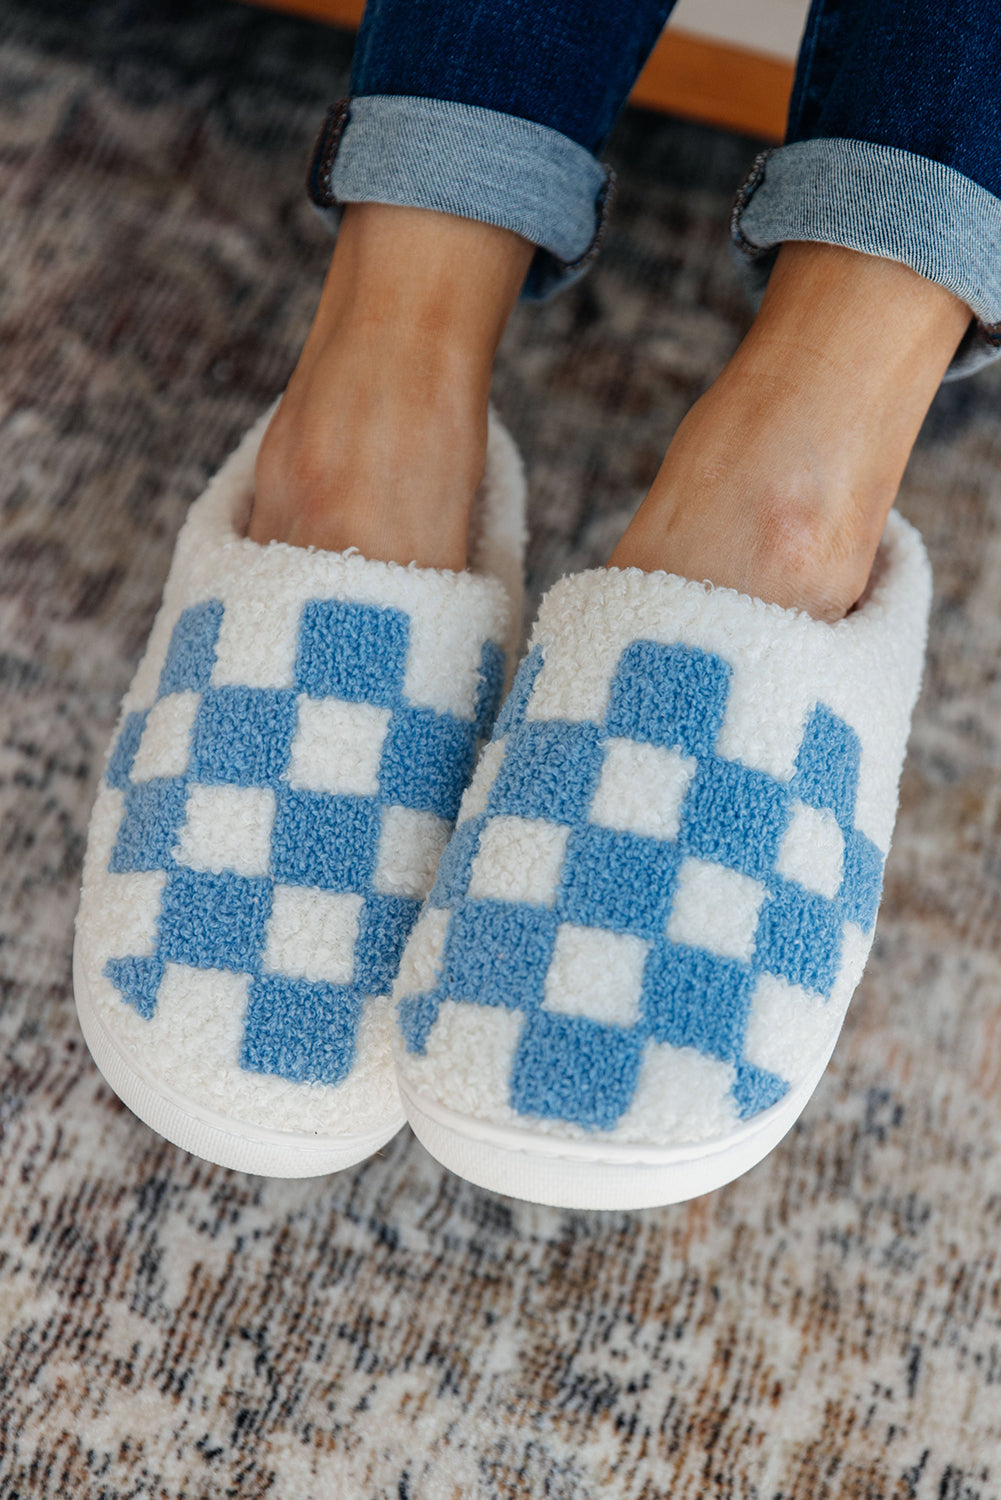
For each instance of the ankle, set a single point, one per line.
(779, 481)
(438, 279)
(776, 532)
(380, 439)
(803, 546)
(365, 460)
(755, 493)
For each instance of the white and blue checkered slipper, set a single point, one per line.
(661, 891)
(286, 770)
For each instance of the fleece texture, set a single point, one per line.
(663, 884)
(286, 770)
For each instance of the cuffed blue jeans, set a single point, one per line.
(498, 111)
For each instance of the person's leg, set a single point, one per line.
(881, 216)
(779, 481)
(461, 178)
(380, 439)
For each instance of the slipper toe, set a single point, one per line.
(287, 768)
(663, 885)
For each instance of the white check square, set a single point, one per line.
(410, 846)
(813, 850)
(596, 974)
(519, 859)
(311, 934)
(227, 828)
(258, 640)
(642, 789)
(715, 909)
(337, 747)
(165, 747)
(474, 798)
(135, 899)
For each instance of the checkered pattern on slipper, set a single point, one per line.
(664, 881)
(289, 763)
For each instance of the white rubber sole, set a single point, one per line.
(203, 1132)
(583, 1174)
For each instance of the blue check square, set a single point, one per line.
(550, 770)
(621, 881)
(799, 938)
(326, 841)
(675, 1007)
(352, 651)
(301, 1030)
(735, 816)
(383, 928)
(827, 766)
(121, 758)
(862, 880)
(512, 711)
(154, 811)
(242, 736)
(673, 696)
(572, 1068)
(427, 759)
(191, 653)
(498, 953)
(213, 921)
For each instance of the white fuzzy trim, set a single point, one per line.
(866, 668)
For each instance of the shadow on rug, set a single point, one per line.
(829, 1325)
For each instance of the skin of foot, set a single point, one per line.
(779, 481)
(379, 442)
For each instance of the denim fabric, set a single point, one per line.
(893, 147)
(568, 65)
(449, 92)
(912, 74)
(497, 110)
(478, 163)
(885, 202)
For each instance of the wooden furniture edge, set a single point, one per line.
(685, 75)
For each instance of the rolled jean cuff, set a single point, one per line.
(477, 163)
(884, 202)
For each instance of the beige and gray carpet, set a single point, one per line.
(830, 1326)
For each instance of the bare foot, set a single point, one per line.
(779, 481)
(380, 439)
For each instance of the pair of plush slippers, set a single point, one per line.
(594, 937)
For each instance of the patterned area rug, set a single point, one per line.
(828, 1326)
